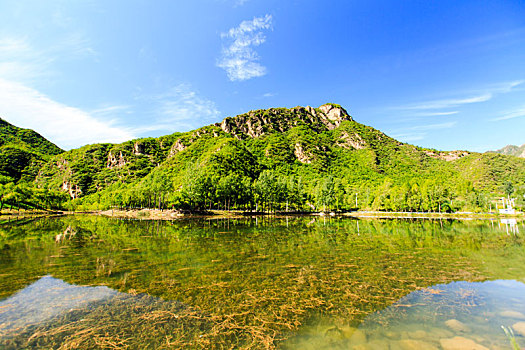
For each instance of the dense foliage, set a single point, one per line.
(279, 159)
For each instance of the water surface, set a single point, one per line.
(85, 282)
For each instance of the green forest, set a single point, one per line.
(299, 159)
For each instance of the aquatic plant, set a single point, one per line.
(512, 338)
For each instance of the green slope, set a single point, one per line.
(22, 152)
(309, 157)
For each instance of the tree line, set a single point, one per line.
(273, 192)
(24, 196)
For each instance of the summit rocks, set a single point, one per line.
(257, 123)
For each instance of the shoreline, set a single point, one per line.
(156, 214)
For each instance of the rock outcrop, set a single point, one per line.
(114, 161)
(177, 147)
(301, 154)
(71, 188)
(447, 156)
(260, 122)
(354, 141)
(138, 148)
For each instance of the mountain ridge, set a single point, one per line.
(318, 150)
(512, 150)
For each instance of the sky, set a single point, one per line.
(438, 74)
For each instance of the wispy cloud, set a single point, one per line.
(434, 114)
(419, 132)
(240, 2)
(448, 103)
(22, 61)
(474, 96)
(22, 65)
(239, 59)
(64, 125)
(180, 108)
(433, 126)
(408, 137)
(518, 113)
(110, 110)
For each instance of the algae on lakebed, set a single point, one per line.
(244, 283)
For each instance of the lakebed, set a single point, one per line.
(84, 281)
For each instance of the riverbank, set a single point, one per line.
(431, 215)
(156, 214)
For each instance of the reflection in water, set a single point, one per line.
(240, 283)
(46, 298)
(511, 226)
(53, 314)
(458, 315)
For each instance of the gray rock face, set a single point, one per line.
(177, 147)
(114, 161)
(301, 155)
(138, 148)
(257, 123)
(73, 189)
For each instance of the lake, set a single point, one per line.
(289, 283)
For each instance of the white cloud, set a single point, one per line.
(419, 132)
(435, 114)
(476, 96)
(66, 126)
(448, 103)
(240, 2)
(434, 126)
(518, 113)
(409, 137)
(502, 88)
(181, 108)
(110, 110)
(21, 61)
(239, 59)
(21, 66)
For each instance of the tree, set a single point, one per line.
(508, 188)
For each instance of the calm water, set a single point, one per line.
(290, 283)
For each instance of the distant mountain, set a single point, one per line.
(511, 150)
(22, 152)
(318, 147)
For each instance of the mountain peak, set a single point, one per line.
(512, 150)
(263, 121)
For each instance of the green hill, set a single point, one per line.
(22, 152)
(280, 158)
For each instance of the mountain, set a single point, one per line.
(22, 152)
(319, 152)
(511, 150)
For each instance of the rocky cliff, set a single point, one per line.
(260, 122)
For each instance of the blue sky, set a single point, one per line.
(439, 74)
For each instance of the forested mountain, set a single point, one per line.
(22, 152)
(512, 150)
(277, 159)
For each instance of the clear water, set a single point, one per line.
(292, 283)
